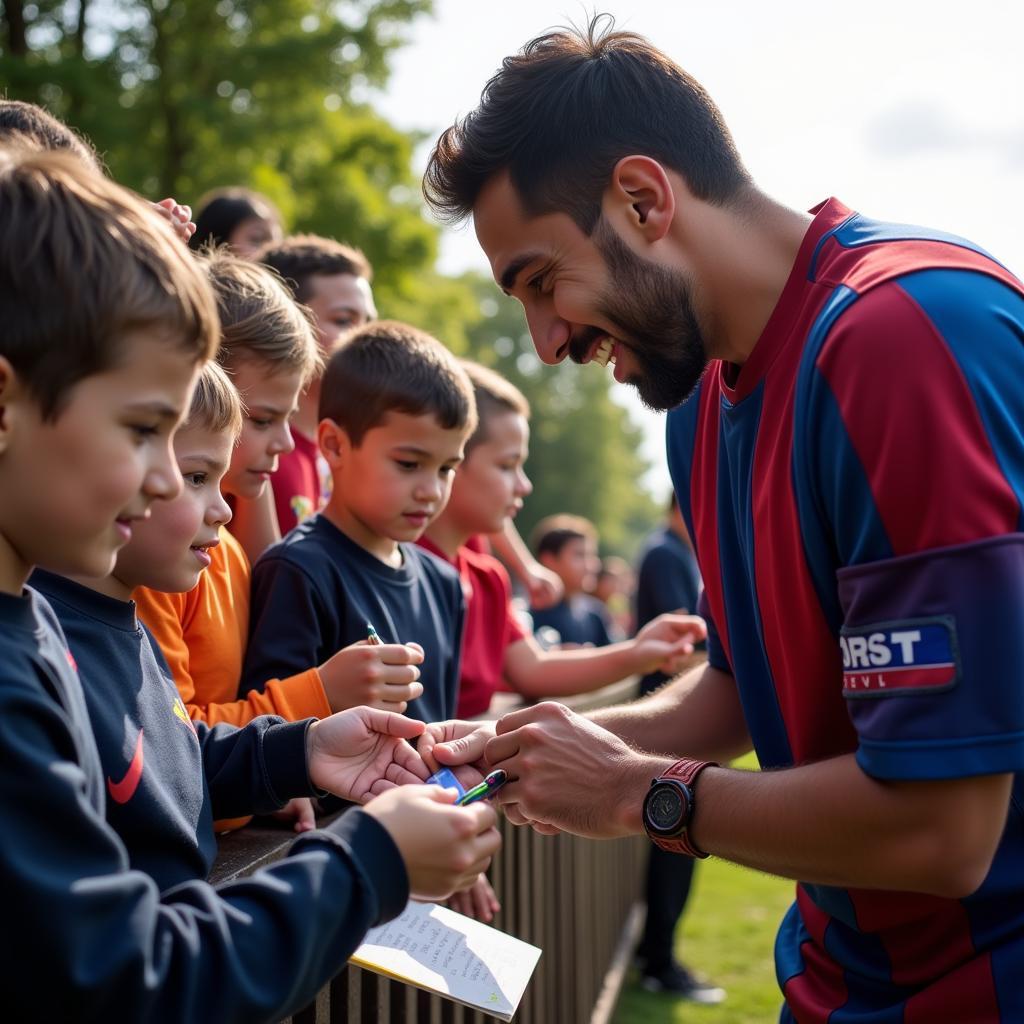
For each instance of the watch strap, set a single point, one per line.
(685, 770)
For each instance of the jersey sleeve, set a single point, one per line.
(917, 404)
(114, 948)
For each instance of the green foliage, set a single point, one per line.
(180, 96)
(584, 449)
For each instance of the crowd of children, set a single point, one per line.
(241, 567)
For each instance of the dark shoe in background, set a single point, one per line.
(677, 980)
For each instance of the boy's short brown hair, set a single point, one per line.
(494, 395)
(83, 262)
(216, 404)
(34, 127)
(387, 367)
(552, 533)
(300, 258)
(259, 319)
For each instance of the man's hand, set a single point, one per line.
(381, 676)
(459, 746)
(445, 848)
(362, 752)
(665, 644)
(178, 216)
(569, 774)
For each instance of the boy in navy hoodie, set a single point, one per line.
(106, 323)
(396, 410)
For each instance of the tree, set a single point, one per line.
(180, 97)
(584, 449)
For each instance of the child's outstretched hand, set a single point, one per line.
(178, 216)
(478, 901)
(381, 676)
(299, 810)
(362, 752)
(666, 643)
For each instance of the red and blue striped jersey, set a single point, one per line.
(855, 495)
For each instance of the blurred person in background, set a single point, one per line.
(238, 217)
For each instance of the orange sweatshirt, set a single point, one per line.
(203, 635)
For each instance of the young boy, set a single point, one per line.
(489, 489)
(567, 545)
(268, 348)
(169, 788)
(395, 411)
(91, 390)
(333, 281)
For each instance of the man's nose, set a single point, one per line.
(550, 335)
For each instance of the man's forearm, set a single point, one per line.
(829, 823)
(697, 715)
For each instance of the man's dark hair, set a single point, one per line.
(26, 124)
(301, 257)
(561, 113)
(387, 367)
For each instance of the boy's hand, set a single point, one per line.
(362, 752)
(299, 810)
(478, 901)
(444, 847)
(665, 644)
(178, 216)
(381, 676)
(459, 746)
(544, 586)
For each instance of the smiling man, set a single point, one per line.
(846, 448)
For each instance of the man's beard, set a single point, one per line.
(652, 307)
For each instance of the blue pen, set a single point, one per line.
(486, 789)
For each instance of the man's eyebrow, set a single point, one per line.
(514, 269)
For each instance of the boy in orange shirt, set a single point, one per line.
(268, 349)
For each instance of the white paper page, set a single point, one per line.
(443, 951)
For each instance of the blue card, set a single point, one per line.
(446, 777)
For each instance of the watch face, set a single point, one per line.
(665, 808)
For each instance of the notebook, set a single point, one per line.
(436, 949)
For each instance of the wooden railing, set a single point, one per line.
(578, 900)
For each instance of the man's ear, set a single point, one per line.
(334, 442)
(639, 198)
(11, 392)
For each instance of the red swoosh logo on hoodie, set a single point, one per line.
(124, 790)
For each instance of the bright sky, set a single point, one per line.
(907, 110)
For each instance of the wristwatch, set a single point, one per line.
(668, 807)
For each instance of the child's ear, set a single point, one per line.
(9, 394)
(334, 442)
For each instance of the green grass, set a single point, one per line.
(727, 934)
